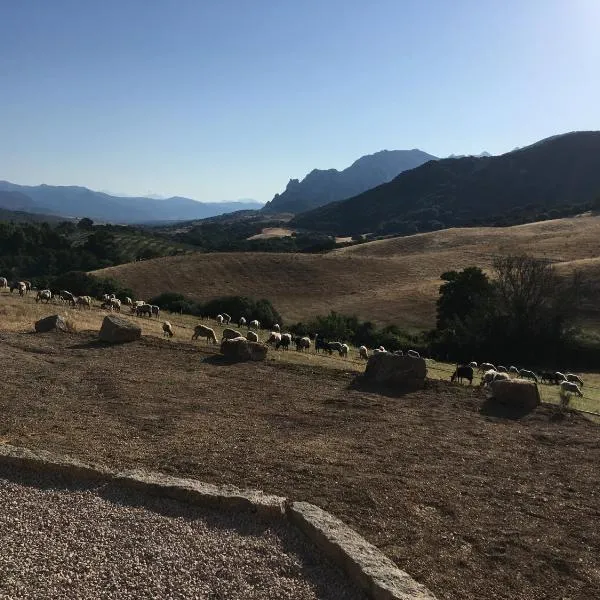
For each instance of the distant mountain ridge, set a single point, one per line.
(560, 171)
(320, 187)
(76, 201)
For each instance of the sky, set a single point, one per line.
(221, 100)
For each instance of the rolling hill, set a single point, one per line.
(560, 171)
(75, 201)
(321, 187)
(387, 281)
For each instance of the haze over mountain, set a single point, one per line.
(75, 201)
(560, 171)
(321, 187)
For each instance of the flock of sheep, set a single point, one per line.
(568, 383)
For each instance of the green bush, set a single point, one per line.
(81, 283)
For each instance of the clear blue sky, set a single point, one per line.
(229, 99)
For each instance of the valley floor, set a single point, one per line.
(471, 503)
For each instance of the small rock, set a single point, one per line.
(51, 323)
(116, 330)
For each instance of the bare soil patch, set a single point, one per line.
(472, 503)
(389, 281)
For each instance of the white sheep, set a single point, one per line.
(512, 369)
(363, 352)
(167, 329)
(486, 366)
(220, 319)
(560, 376)
(501, 369)
(254, 324)
(230, 334)
(274, 337)
(44, 295)
(226, 319)
(569, 387)
(285, 340)
(302, 343)
(206, 332)
(473, 364)
(344, 350)
(526, 374)
(3, 282)
(277, 328)
(574, 379)
(83, 302)
(242, 322)
(155, 310)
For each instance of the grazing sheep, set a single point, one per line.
(344, 350)
(569, 387)
(143, 309)
(363, 352)
(548, 377)
(486, 367)
(155, 310)
(226, 318)
(252, 336)
(254, 324)
(413, 354)
(105, 297)
(27, 286)
(463, 372)
(205, 332)
(526, 374)
(274, 337)
(335, 347)
(513, 369)
(488, 377)
(44, 295)
(220, 319)
(230, 334)
(501, 369)
(242, 322)
(3, 282)
(277, 328)
(473, 364)
(302, 343)
(83, 302)
(322, 344)
(574, 379)
(560, 376)
(128, 301)
(139, 303)
(67, 297)
(285, 341)
(167, 329)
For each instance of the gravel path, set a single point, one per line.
(63, 540)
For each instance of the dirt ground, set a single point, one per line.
(472, 503)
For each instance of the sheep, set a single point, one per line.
(569, 387)
(155, 310)
(27, 286)
(413, 354)
(501, 369)
(205, 332)
(574, 379)
(229, 334)
(43, 295)
(344, 350)
(335, 347)
(512, 369)
(277, 328)
(105, 297)
(486, 366)
(139, 303)
(363, 352)
(473, 364)
(3, 282)
(501, 376)
(67, 297)
(143, 309)
(226, 319)
(254, 324)
(128, 301)
(488, 377)
(463, 372)
(219, 319)
(560, 376)
(242, 322)
(274, 337)
(525, 374)
(398, 353)
(167, 329)
(548, 377)
(83, 302)
(302, 343)
(322, 344)
(284, 342)
(252, 336)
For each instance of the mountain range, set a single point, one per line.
(560, 171)
(75, 201)
(321, 187)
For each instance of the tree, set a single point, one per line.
(85, 223)
(463, 293)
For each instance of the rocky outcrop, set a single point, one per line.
(116, 330)
(402, 371)
(51, 323)
(240, 349)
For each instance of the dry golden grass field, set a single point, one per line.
(271, 232)
(388, 281)
(471, 502)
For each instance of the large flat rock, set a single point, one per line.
(117, 330)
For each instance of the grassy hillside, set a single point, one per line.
(388, 281)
